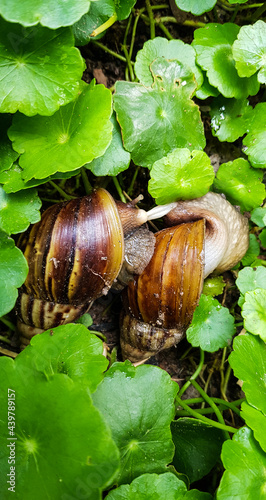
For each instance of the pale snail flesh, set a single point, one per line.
(74, 254)
(220, 243)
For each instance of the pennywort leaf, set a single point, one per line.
(241, 184)
(100, 11)
(256, 137)
(181, 174)
(248, 361)
(195, 7)
(171, 119)
(252, 252)
(256, 420)
(138, 404)
(74, 135)
(169, 49)
(32, 81)
(159, 487)
(254, 312)
(46, 12)
(212, 325)
(249, 51)
(81, 448)
(258, 216)
(213, 44)
(7, 153)
(69, 349)
(230, 118)
(240, 456)
(213, 286)
(18, 211)
(13, 272)
(249, 279)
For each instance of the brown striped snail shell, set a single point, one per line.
(159, 304)
(74, 255)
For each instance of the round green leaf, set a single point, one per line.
(7, 153)
(98, 14)
(212, 325)
(195, 7)
(171, 119)
(252, 252)
(159, 487)
(51, 13)
(76, 134)
(138, 404)
(245, 464)
(13, 272)
(256, 137)
(254, 312)
(230, 118)
(213, 45)
(249, 279)
(206, 89)
(262, 237)
(258, 216)
(213, 286)
(115, 159)
(241, 184)
(18, 211)
(63, 445)
(123, 8)
(197, 447)
(256, 420)
(69, 349)
(248, 361)
(181, 174)
(169, 49)
(249, 51)
(40, 70)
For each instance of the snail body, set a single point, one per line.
(160, 303)
(74, 254)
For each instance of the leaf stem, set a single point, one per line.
(109, 51)
(194, 376)
(258, 12)
(151, 19)
(104, 26)
(165, 31)
(130, 189)
(232, 405)
(8, 323)
(61, 191)
(85, 180)
(198, 416)
(118, 188)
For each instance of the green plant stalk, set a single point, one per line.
(165, 31)
(213, 423)
(211, 404)
(5, 339)
(124, 48)
(151, 19)
(131, 187)
(222, 388)
(105, 25)
(134, 29)
(61, 191)
(258, 13)
(8, 323)
(118, 188)
(109, 51)
(86, 182)
(171, 19)
(232, 405)
(194, 376)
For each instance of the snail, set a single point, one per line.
(212, 236)
(75, 253)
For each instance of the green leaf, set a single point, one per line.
(13, 272)
(213, 286)
(256, 420)
(138, 404)
(98, 14)
(248, 361)
(258, 216)
(156, 487)
(212, 325)
(254, 312)
(171, 119)
(245, 464)
(7, 153)
(115, 159)
(169, 49)
(206, 89)
(181, 174)
(241, 184)
(40, 70)
(197, 447)
(69, 349)
(213, 45)
(262, 237)
(249, 51)
(252, 252)
(46, 12)
(230, 118)
(18, 211)
(60, 436)
(195, 7)
(76, 134)
(256, 137)
(249, 279)
(123, 8)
